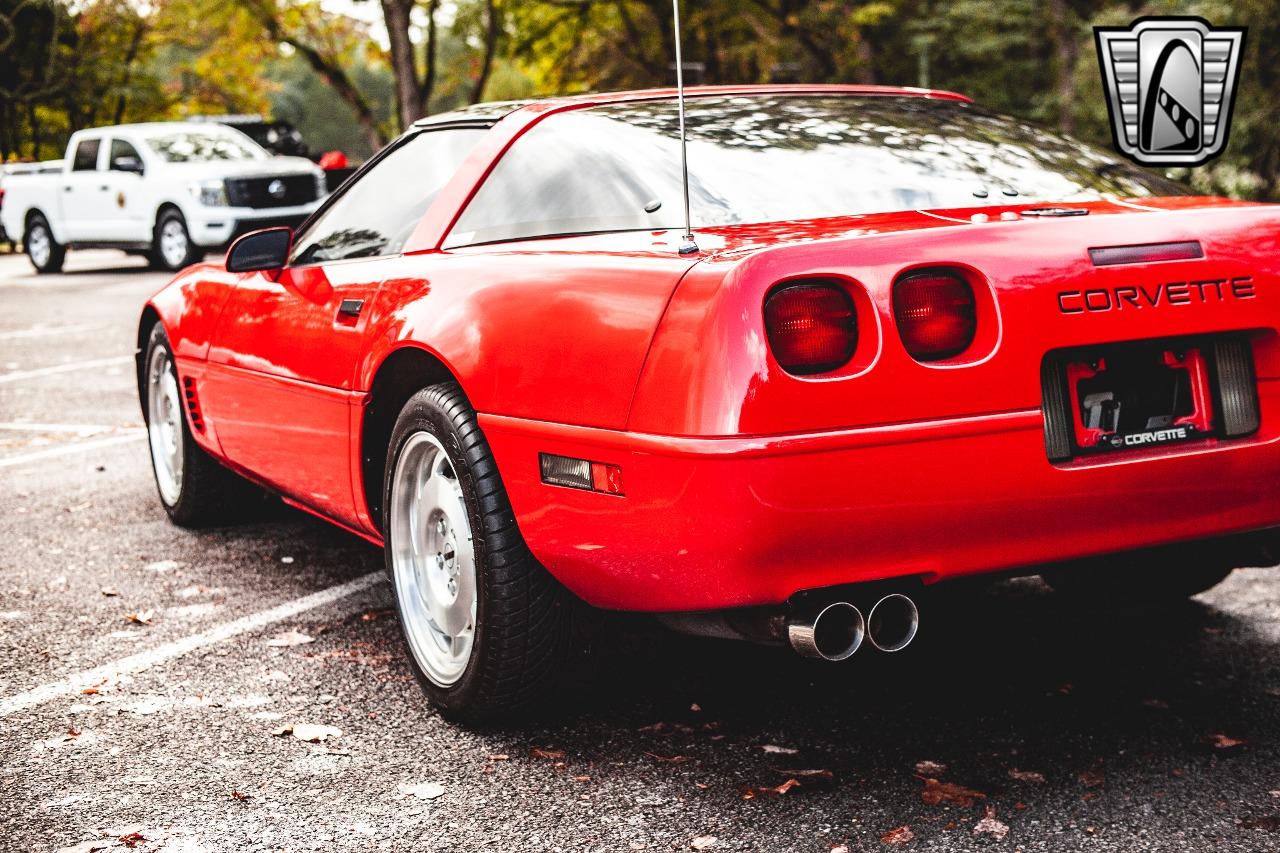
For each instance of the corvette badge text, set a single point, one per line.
(1141, 296)
(1170, 86)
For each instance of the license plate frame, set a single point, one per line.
(1139, 396)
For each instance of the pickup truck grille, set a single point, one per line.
(256, 192)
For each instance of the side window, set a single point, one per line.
(121, 149)
(375, 215)
(86, 157)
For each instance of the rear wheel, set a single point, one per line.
(194, 488)
(44, 252)
(489, 631)
(171, 246)
(1148, 577)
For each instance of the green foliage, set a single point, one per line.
(96, 61)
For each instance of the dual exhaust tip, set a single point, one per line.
(834, 630)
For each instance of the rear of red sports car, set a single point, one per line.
(1018, 355)
(916, 341)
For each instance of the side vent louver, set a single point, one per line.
(193, 403)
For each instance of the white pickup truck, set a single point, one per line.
(170, 190)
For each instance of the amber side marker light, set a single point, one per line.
(812, 327)
(581, 474)
(936, 314)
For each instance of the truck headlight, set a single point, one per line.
(211, 193)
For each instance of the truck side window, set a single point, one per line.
(121, 149)
(86, 159)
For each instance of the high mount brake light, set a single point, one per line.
(812, 327)
(936, 314)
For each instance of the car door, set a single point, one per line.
(127, 217)
(281, 372)
(81, 197)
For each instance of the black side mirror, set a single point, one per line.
(127, 163)
(261, 251)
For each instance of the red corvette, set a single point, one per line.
(915, 340)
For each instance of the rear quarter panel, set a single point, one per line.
(551, 330)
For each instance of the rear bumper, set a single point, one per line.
(717, 523)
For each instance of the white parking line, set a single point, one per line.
(145, 660)
(79, 429)
(70, 367)
(44, 330)
(66, 449)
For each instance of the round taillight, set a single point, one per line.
(812, 327)
(936, 314)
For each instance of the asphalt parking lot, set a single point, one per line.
(158, 686)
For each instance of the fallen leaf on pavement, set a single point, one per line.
(1221, 741)
(239, 795)
(423, 790)
(668, 759)
(290, 638)
(132, 840)
(930, 768)
(808, 774)
(839, 848)
(1026, 776)
(770, 791)
(1270, 823)
(110, 591)
(703, 842)
(936, 793)
(897, 835)
(163, 566)
(779, 750)
(1092, 778)
(550, 754)
(990, 826)
(499, 756)
(142, 617)
(309, 732)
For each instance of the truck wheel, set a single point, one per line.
(171, 246)
(194, 488)
(44, 252)
(489, 631)
(1154, 577)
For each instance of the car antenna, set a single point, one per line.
(687, 245)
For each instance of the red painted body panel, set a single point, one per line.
(745, 484)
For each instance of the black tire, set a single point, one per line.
(57, 253)
(532, 636)
(1147, 577)
(172, 218)
(208, 493)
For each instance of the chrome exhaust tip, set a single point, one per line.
(833, 631)
(892, 623)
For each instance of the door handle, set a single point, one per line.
(104, 188)
(67, 189)
(349, 309)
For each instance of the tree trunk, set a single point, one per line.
(1065, 52)
(404, 70)
(429, 78)
(492, 27)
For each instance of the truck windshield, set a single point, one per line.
(772, 158)
(198, 146)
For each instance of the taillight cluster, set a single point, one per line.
(936, 314)
(813, 326)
